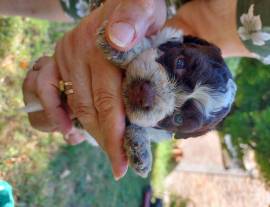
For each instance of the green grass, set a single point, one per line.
(89, 181)
(178, 202)
(34, 162)
(162, 166)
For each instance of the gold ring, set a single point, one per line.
(69, 91)
(66, 87)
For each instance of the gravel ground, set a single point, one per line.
(201, 178)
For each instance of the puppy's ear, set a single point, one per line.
(206, 127)
(192, 126)
(188, 39)
(181, 135)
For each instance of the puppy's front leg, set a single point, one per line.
(138, 149)
(118, 58)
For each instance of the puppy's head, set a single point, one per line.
(184, 87)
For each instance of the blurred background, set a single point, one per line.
(228, 167)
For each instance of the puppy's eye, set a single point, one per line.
(180, 63)
(177, 119)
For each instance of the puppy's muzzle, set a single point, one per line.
(141, 95)
(149, 93)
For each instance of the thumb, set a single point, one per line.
(132, 20)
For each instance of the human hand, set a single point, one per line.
(41, 96)
(208, 20)
(97, 101)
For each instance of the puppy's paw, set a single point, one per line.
(118, 58)
(138, 148)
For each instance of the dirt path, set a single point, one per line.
(202, 179)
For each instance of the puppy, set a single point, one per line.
(173, 84)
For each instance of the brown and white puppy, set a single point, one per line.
(173, 84)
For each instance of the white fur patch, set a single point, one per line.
(211, 100)
(165, 35)
(145, 67)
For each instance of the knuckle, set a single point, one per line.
(40, 122)
(85, 113)
(27, 83)
(42, 61)
(103, 101)
(40, 87)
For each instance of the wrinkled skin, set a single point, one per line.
(97, 101)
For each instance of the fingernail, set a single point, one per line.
(121, 34)
(117, 176)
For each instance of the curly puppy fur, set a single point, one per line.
(173, 84)
(189, 88)
(138, 148)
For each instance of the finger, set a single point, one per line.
(39, 119)
(81, 102)
(132, 20)
(29, 83)
(78, 73)
(48, 93)
(106, 88)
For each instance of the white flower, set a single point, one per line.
(252, 28)
(82, 8)
(266, 60)
(67, 3)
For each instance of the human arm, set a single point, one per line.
(214, 21)
(49, 9)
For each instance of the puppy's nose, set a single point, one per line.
(141, 94)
